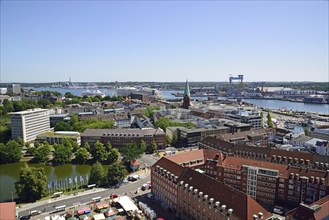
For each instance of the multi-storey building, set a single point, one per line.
(177, 181)
(273, 155)
(121, 137)
(191, 137)
(315, 211)
(180, 184)
(270, 182)
(255, 120)
(58, 137)
(320, 133)
(14, 88)
(257, 138)
(30, 123)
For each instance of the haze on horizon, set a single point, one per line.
(106, 41)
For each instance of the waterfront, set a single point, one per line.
(265, 103)
(299, 106)
(9, 174)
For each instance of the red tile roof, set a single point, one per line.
(316, 211)
(8, 210)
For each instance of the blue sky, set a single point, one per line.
(48, 41)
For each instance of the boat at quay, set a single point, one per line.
(264, 103)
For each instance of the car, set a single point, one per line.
(278, 211)
(35, 212)
(145, 187)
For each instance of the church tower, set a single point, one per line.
(186, 96)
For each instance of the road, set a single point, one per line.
(86, 196)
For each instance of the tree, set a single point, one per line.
(151, 148)
(87, 146)
(63, 126)
(10, 152)
(36, 144)
(62, 154)
(113, 155)
(132, 152)
(32, 184)
(20, 141)
(269, 120)
(19, 106)
(174, 140)
(82, 155)
(142, 147)
(262, 119)
(116, 173)
(99, 152)
(7, 106)
(42, 153)
(97, 175)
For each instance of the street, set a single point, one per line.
(86, 196)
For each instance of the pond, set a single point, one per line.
(58, 177)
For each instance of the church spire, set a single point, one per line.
(186, 96)
(187, 89)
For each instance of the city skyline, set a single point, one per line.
(107, 41)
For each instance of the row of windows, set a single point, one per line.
(265, 195)
(265, 189)
(266, 184)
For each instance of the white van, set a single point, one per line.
(35, 212)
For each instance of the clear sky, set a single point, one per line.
(95, 41)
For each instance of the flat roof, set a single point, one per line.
(8, 210)
(28, 111)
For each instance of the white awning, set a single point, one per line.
(126, 203)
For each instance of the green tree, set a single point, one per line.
(269, 120)
(262, 119)
(62, 154)
(45, 103)
(7, 106)
(113, 155)
(36, 144)
(69, 95)
(142, 147)
(116, 173)
(20, 141)
(82, 155)
(131, 152)
(97, 175)
(32, 184)
(19, 106)
(87, 146)
(10, 152)
(174, 140)
(151, 148)
(99, 152)
(74, 119)
(42, 153)
(63, 126)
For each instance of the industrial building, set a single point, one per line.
(30, 123)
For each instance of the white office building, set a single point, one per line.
(30, 123)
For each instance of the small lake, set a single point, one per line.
(9, 174)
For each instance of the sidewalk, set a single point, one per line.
(62, 197)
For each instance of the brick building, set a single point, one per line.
(180, 185)
(121, 137)
(315, 211)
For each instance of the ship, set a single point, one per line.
(317, 99)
